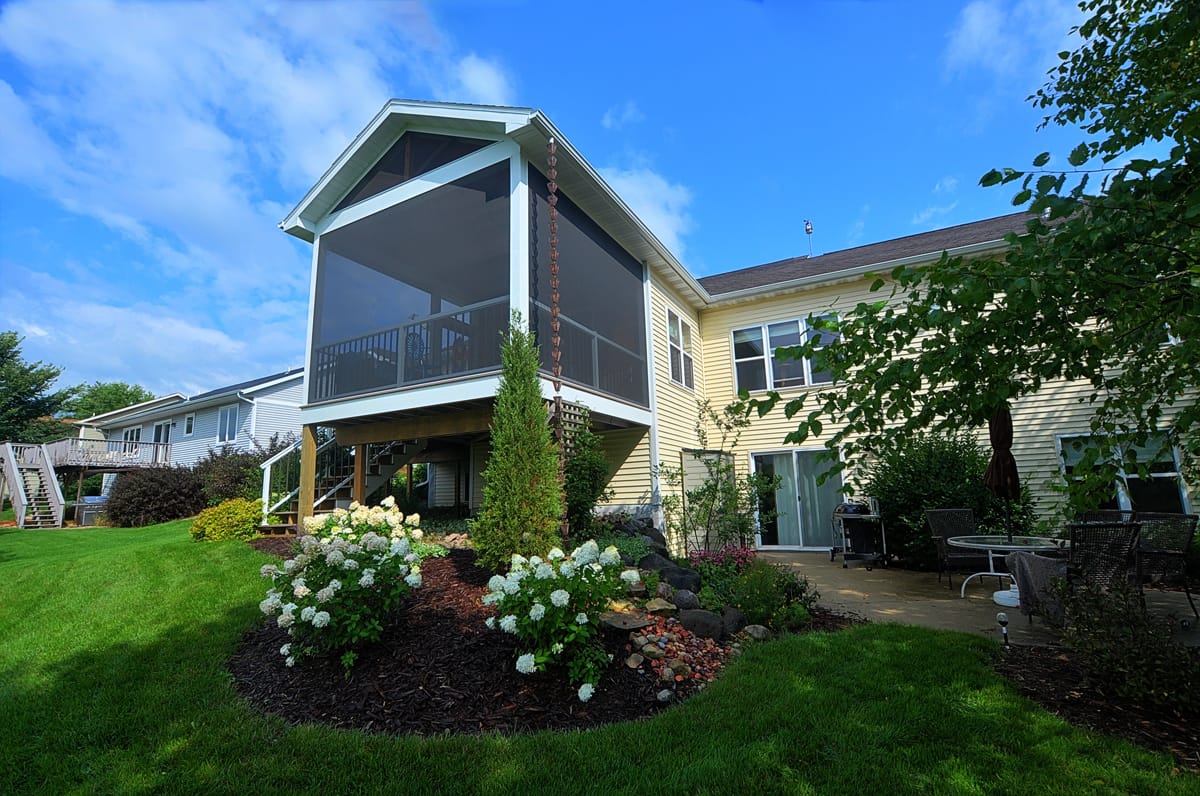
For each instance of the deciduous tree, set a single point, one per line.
(28, 400)
(1103, 288)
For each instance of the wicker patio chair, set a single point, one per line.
(1102, 553)
(1162, 551)
(945, 523)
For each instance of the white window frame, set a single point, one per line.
(189, 424)
(1124, 503)
(767, 358)
(131, 438)
(680, 335)
(224, 434)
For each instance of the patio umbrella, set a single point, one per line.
(1001, 474)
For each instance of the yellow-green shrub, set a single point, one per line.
(234, 519)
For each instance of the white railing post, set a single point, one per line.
(54, 491)
(16, 486)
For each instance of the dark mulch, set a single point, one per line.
(1054, 678)
(438, 669)
(275, 545)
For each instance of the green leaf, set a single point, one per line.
(1041, 160)
(1079, 155)
(1022, 197)
(993, 177)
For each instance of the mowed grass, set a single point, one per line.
(113, 645)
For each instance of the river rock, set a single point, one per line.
(685, 599)
(734, 619)
(757, 632)
(659, 606)
(681, 578)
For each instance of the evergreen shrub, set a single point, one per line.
(585, 480)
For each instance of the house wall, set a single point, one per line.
(277, 411)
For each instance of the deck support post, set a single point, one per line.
(308, 475)
(360, 474)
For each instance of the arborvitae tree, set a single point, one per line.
(522, 499)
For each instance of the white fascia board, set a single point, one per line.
(504, 118)
(600, 404)
(129, 411)
(397, 194)
(401, 400)
(293, 376)
(833, 277)
(577, 161)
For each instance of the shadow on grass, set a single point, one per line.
(878, 709)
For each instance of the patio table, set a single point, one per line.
(1000, 546)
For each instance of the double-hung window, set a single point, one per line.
(227, 422)
(1161, 490)
(679, 333)
(757, 368)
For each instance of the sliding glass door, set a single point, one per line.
(803, 511)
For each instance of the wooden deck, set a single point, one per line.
(107, 455)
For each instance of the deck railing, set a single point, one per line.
(15, 485)
(104, 454)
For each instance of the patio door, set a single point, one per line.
(162, 433)
(803, 510)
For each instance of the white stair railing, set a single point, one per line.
(15, 484)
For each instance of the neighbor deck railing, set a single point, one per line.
(102, 453)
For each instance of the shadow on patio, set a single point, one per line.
(890, 594)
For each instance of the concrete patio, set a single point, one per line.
(890, 594)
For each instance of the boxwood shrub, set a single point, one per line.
(234, 519)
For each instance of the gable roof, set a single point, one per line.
(253, 385)
(964, 238)
(242, 391)
(144, 406)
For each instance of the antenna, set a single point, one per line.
(808, 231)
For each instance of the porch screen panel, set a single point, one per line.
(601, 300)
(415, 293)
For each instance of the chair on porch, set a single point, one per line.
(1102, 553)
(945, 523)
(1162, 551)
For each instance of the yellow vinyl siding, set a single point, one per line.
(628, 454)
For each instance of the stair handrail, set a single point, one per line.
(380, 451)
(16, 486)
(57, 504)
(269, 464)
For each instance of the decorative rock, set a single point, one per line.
(637, 589)
(702, 623)
(685, 599)
(659, 606)
(620, 605)
(655, 534)
(734, 620)
(654, 561)
(682, 578)
(653, 652)
(664, 590)
(665, 695)
(633, 661)
(757, 632)
(638, 641)
(680, 668)
(624, 621)
(654, 546)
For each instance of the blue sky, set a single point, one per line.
(148, 151)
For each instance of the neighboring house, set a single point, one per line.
(434, 225)
(239, 416)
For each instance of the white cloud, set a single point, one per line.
(660, 204)
(619, 116)
(946, 185)
(189, 129)
(1010, 39)
(929, 214)
(857, 229)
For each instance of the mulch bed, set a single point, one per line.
(1053, 677)
(439, 670)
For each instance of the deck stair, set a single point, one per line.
(30, 483)
(334, 485)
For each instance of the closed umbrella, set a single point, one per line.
(1001, 475)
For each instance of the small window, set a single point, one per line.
(756, 367)
(227, 423)
(189, 425)
(680, 333)
(130, 437)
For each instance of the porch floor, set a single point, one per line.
(890, 594)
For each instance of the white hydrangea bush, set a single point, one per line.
(552, 606)
(353, 569)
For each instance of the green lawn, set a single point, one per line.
(112, 652)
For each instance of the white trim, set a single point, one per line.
(429, 181)
(189, 418)
(295, 374)
(683, 352)
(656, 511)
(518, 238)
(795, 449)
(1122, 492)
(768, 355)
(221, 422)
(400, 400)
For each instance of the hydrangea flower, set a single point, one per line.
(560, 597)
(585, 692)
(320, 619)
(285, 650)
(610, 557)
(631, 576)
(508, 624)
(367, 580)
(496, 583)
(586, 553)
(307, 613)
(581, 618)
(325, 595)
(555, 554)
(291, 661)
(301, 591)
(537, 611)
(543, 571)
(285, 619)
(490, 622)
(268, 570)
(414, 580)
(567, 570)
(526, 664)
